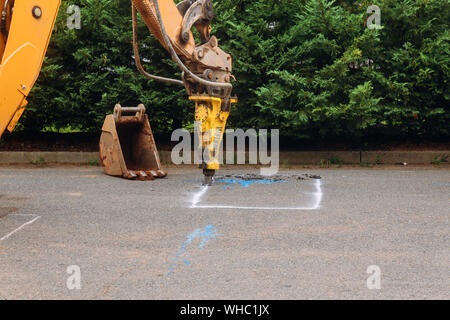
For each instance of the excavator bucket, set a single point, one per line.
(127, 146)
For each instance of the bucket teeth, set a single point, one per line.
(131, 175)
(161, 174)
(156, 174)
(142, 175)
(139, 175)
(153, 174)
(145, 176)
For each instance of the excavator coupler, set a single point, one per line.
(127, 146)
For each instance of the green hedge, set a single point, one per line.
(294, 61)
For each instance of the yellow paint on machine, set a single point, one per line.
(22, 49)
(212, 120)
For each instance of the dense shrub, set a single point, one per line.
(309, 67)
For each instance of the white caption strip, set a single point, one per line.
(36, 217)
(315, 205)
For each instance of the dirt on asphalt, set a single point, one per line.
(277, 177)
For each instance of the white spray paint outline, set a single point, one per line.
(318, 199)
(36, 217)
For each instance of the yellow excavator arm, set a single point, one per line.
(26, 27)
(206, 69)
(25, 31)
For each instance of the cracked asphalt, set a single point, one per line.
(146, 240)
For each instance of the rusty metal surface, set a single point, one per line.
(127, 147)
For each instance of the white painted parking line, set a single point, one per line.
(315, 205)
(36, 217)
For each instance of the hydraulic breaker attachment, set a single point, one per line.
(127, 146)
(211, 115)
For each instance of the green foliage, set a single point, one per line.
(311, 90)
(41, 162)
(331, 161)
(335, 160)
(94, 163)
(366, 165)
(308, 67)
(324, 163)
(439, 158)
(379, 159)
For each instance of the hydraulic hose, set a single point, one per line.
(137, 57)
(175, 57)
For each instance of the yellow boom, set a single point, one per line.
(24, 38)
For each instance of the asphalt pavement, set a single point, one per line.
(75, 233)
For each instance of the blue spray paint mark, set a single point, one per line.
(246, 183)
(208, 233)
